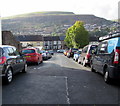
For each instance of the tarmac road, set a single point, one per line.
(60, 80)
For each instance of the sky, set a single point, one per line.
(107, 9)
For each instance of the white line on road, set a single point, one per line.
(67, 96)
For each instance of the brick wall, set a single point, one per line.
(9, 39)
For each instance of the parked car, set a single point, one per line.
(48, 54)
(65, 52)
(32, 55)
(76, 55)
(51, 52)
(106, 58)
(11, 62)
(44, 55)
(60, 51)
(86, 53)
(71, 52)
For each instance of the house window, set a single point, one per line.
(55, 42)
(46, 43)
(50, 42)
(38, 43)
(59, 42)
(59, 47)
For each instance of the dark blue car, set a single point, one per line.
(106, 58)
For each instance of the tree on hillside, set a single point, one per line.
(77, 36)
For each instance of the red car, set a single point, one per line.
(32, 55)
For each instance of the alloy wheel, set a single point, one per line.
(9, 75)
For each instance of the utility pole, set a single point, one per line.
(119, 11)
(0, 32)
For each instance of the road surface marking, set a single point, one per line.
(67, 96)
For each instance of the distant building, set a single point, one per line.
(9, 39)
(54, 42)
(63, 46)
(30, 40)
(93, 40)
(47, 42)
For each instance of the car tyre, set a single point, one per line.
(25, 69)
(92, 69)
(107, 79)
(38, 62)
(83, 63)
(41, 61)
(79, 61)
(9, 76)
(76, 60)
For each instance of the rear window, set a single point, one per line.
(79, 52)
(1, 52)
(43, 52)
(28, 51)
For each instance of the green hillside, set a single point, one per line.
(51, 23)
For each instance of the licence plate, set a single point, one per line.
(27, 56)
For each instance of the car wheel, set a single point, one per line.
(79, 61)
(41, 61)
(25, 69)
(68, 56)
(92, 69)
(76, 60)
(83, 63)
(9, 76)
(38, 62)
(106, 76)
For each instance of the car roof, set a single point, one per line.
(109, 36)
(29, 48)
(2, 46)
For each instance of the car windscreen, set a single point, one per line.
(1, 52)
(28, 51)
(93, 47)
(79, 52)
(74, 49)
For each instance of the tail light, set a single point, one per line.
(70, 51)
(117, 56)
(2, 60)
(88, 56)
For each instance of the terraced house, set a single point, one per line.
(30, 40)
(54, 42)
(47, 42)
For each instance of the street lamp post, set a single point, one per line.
(0, 32)
(119, 11)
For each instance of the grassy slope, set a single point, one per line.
(39, 14)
